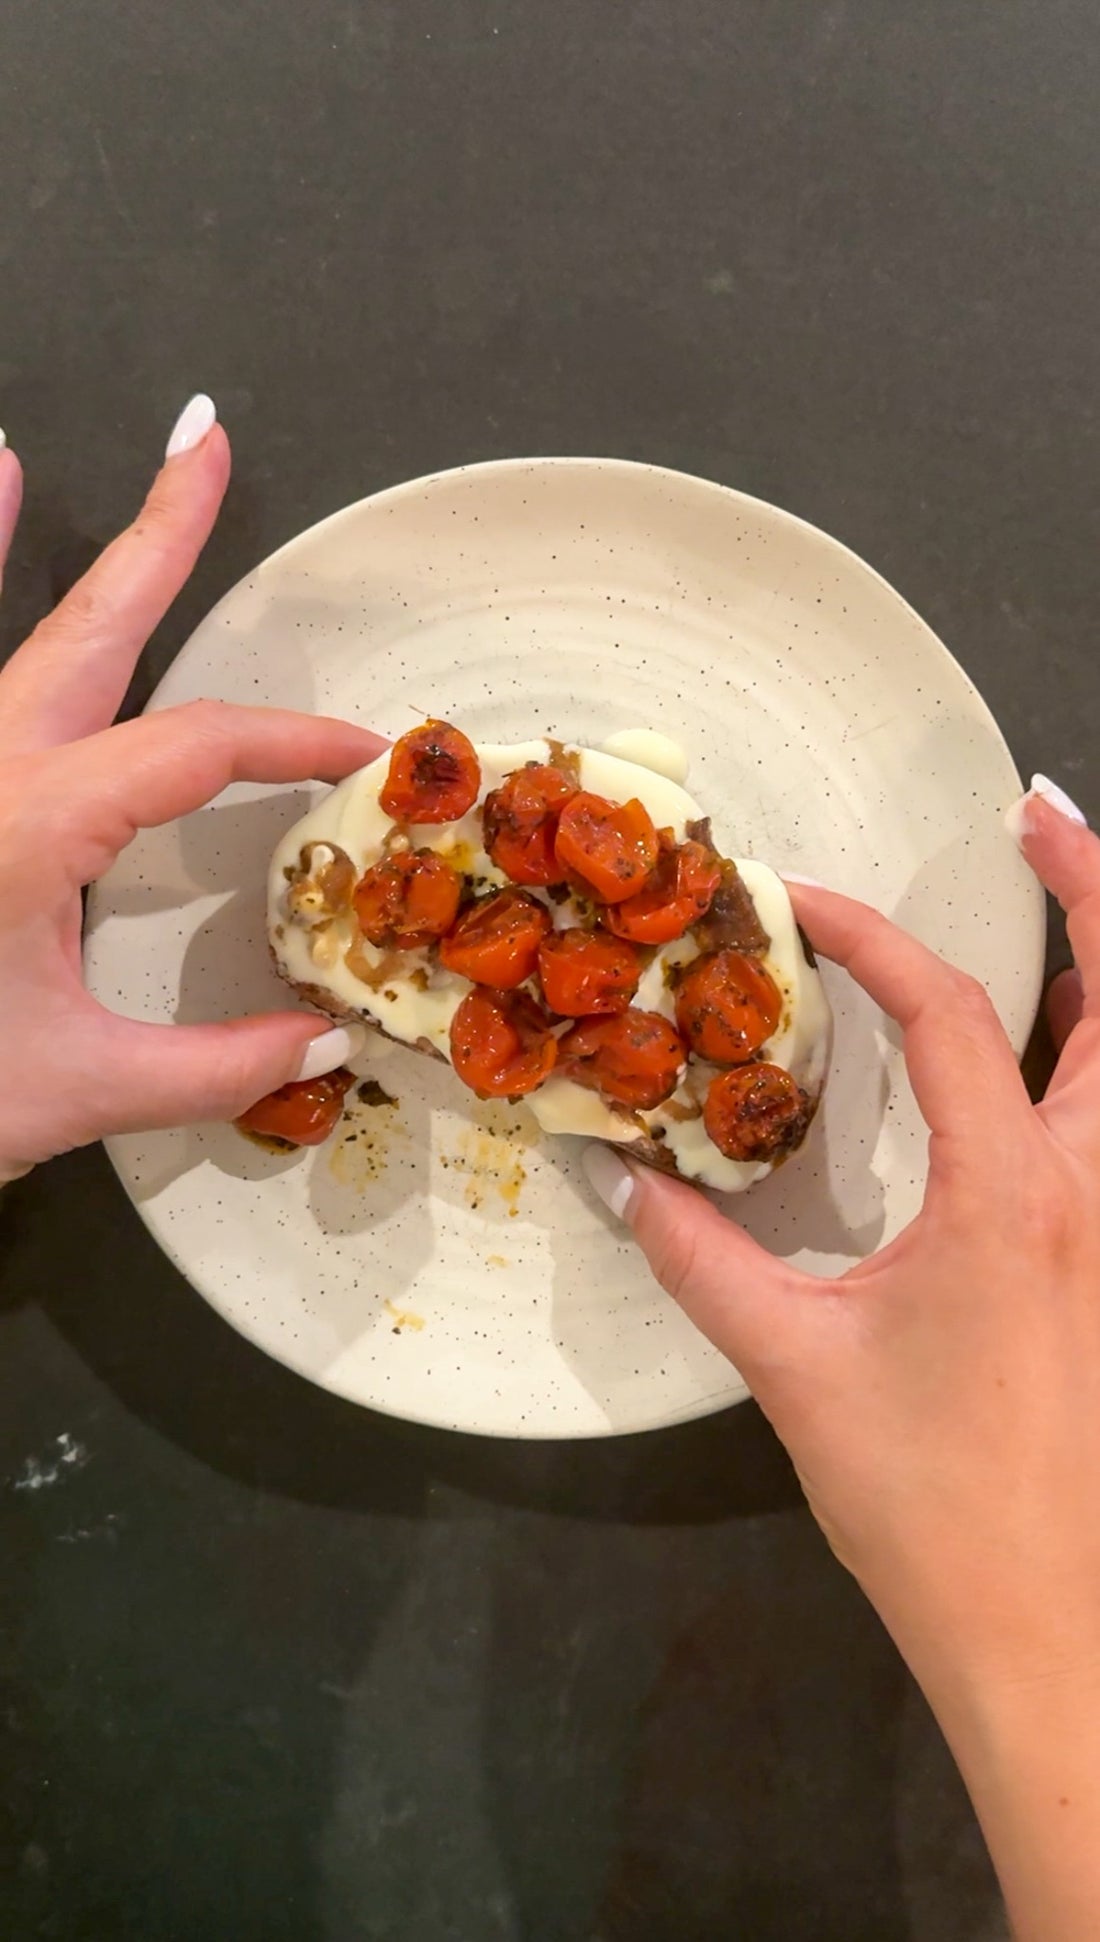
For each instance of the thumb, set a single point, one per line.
(1065, 1003)
(11, 496)
(173, 1075)
(758, 1310)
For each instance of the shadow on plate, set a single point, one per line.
(173, 1361)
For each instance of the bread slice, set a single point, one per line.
(409, 997)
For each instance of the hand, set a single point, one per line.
(73, 792)
(941, 1400)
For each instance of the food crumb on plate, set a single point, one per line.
(372, 1094)
(403, 1318)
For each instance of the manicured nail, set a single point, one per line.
(334, 1048)
(190, 428)
(1041, 785)
(1017, 819)
(610, 1177)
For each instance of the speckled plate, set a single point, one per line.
(439, 1260)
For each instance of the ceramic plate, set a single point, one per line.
(439, 1260)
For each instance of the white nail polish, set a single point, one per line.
(1041, 785)
(333, 1048)
(192, 425)
(1017, 819)
(610, 1177)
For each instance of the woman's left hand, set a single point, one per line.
(74, 791)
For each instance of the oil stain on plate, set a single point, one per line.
(489, 1156)
(368, 1130)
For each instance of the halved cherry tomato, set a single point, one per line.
(521, 822)
(302, 1113)
(635, 1059)
(585, 972)
(501, 1043)
(756, 1112)
(610, 846)
(434, 776)
(677, 894)
(407, 899)
(496, 941)
(726, 1006)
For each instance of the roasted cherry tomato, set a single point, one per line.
(635, 1059)
(610, 846)
(585, 972)
(496, 941)
(433, 777)
(501, 1043)
(756, 1112)
(407, 899)
(303, 1113)
(677, 894)
(726, 1006)
(521, 823)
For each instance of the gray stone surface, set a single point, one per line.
(274, 1668)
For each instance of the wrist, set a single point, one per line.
(1027, 1746)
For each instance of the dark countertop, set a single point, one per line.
(276, 1668)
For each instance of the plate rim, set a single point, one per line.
(417, 487)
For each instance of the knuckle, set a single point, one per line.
(85, 612)
(970, 999)
(158, 521)
(208, 719)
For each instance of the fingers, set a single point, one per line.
(762, 1313)
(150, 1076)
(1064, 1004)
(165, 765)
(69, 678)
(11, 498)
(1065, 855)
(960, 1063)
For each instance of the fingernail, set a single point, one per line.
(190, 428)
(1017, 820)
(3, 438)
(334, 1048)
(808, 883)
(610, 1177)
(1041, 785)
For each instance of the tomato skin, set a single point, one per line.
(407, 899)
(755, 1112)
(303, 1113)
(634, 1060)
(434, 775)
(496, 941)
(611, 847)
(726, 1007)
(676, 896)
(586, 972)
(521, 823)
(501, 1043)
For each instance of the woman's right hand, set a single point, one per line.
(73, 792)
(941, 1400)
